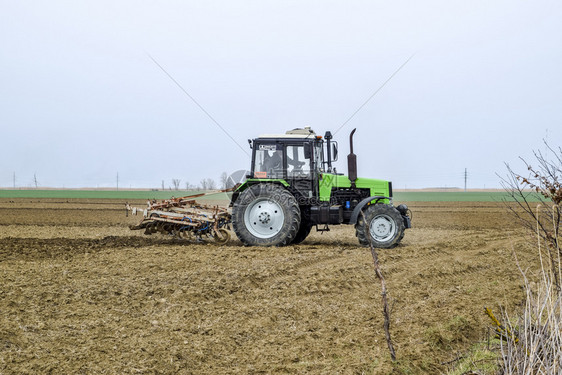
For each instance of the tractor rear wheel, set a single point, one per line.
(266, 215)
(380, 224)
(304, 231)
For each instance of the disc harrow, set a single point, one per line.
(185, 218)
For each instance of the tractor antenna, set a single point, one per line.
(197, 104)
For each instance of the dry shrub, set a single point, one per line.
(542, 183)
(537, 347)
(532, 342)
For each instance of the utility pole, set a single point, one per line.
(35, 180)
(14, 180)
(465, 177)
(117, 180)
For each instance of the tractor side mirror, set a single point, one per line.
(307, 151)
(335, 150)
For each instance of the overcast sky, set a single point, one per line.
(81, 100)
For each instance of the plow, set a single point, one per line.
(185, 218)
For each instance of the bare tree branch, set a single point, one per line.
(223, 180)
(537, 197)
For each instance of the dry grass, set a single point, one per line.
(537, 345)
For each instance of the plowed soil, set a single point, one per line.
(81, 293)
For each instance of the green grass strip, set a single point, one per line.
(415, 196)
(97, 194)
(455, 196)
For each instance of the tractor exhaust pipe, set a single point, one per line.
(328, 138)
(352, 161)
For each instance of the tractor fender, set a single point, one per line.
(251, 181)
(363, 203)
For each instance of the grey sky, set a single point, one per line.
(80, 99)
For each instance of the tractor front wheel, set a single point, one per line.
(380, 225)
(266, 215)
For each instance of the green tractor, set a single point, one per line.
(293, 187)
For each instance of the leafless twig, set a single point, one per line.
(385, 309)
(537, 196)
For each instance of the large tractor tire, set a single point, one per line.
(380, 225)
(266, 215)
(303, 232)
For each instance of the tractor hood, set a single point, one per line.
(330, 180)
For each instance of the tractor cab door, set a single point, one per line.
(299, 167)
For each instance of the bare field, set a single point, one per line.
(81, 293)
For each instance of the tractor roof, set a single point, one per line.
(307, 132)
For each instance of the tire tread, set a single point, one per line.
(363, 233)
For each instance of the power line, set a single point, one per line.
(375, 93)
(197, 104)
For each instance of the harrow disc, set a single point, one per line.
(221, 236)
(185, 233)
(160, 228)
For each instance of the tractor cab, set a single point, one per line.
(296, 157)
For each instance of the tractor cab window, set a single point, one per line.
(268, 162)
(298, 162)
